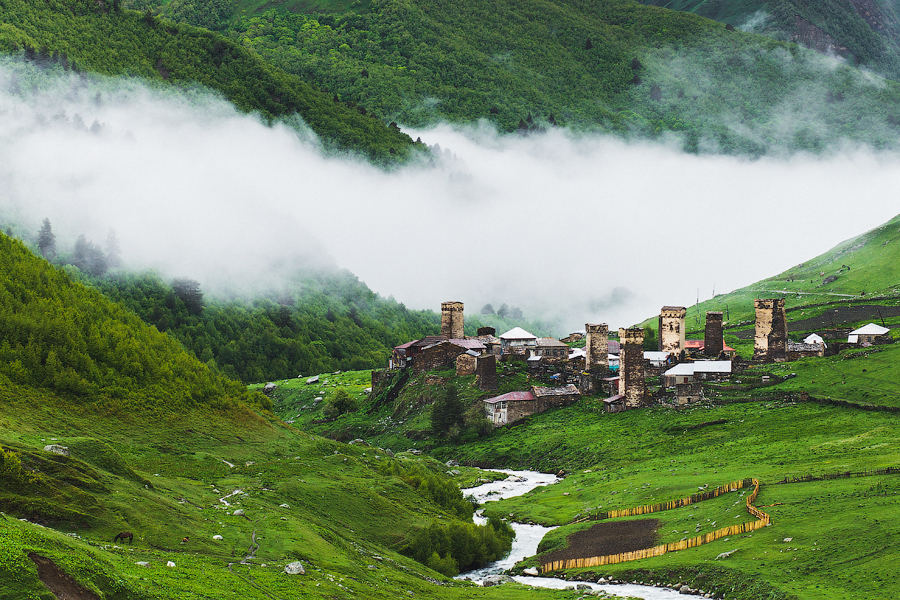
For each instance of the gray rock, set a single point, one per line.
(582, 586)
(389, 453)
(142, 563)
(170, 564)
(269, 388)
(295, 568)
(57, 449)
(312, 380)
(531, 571)
(239, 512)
(452, 463)
(602, 581)
(217, 537)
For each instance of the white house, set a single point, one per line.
(866, 333)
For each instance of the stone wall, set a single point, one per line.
(452, 320)
(597, 347)
(671, 329)
(486, 372)
(631, 366)
(465, 364)
(770, 341)
(713, 342)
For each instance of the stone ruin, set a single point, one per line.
(452, 320)
(770, 341)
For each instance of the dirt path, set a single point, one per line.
(59, 582)
(604, 539)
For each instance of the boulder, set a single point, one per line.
(57, 449)
(239, 512)
(295, 568)
(269, 388)
(582, 586)
(170, 564)
(217, 537)
(142, 563)
(389, 453)
(452, 463)
(531, 571)
(312, 380)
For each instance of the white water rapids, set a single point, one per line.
(529, 536)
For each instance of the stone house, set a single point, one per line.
(798, 350)
(550, 350)
(443, 354)
(466, 363)
(701, 370)
(688, 393)
(514, 406)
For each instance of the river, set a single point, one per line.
(529, 536)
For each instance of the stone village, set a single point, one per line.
(630, 377)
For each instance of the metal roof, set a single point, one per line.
(551, 342)
(870, 329)
(517, 333)
(511, 397)
(468, 344)
(701, 366)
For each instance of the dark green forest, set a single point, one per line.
(66, 339)
(102, 37)
(614, 66)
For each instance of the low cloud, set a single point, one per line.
(568, 227)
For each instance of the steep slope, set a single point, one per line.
(864, 31)
(861, 271)
(98, 37)
(156, 444)
(612, 66)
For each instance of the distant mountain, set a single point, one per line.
(100, 37)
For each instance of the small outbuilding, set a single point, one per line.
(869, 334)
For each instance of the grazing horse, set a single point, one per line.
(125, 535)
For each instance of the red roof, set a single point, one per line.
(700, 344)
(405, 346)
(511, 397)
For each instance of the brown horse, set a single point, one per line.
(125, 535)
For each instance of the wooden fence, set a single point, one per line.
(596, 561)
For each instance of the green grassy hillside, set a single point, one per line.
(164, 447)
(101, 38)
(830, 290)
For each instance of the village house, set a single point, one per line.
(701, 370)
(551, 350)
(869, 334)
(443, 354)
(798, 350)
(698, 347)
(514, 406)
(517, 341)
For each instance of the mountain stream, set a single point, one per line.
(529, 536)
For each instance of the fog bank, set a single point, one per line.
(579, 228)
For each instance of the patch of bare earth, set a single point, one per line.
(59, 582)
(604, 539)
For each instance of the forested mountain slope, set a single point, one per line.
(108, 426)
(865, 31)
(102, 38)
(612, 65)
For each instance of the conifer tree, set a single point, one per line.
(47, 241)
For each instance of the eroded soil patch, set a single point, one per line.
(58, 581)
(604, 539)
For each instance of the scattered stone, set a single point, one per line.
(249, 463)
(217, 537)
(785, 539)
(415, 452)
(295, 568)
(312, 380)
(239, 512)
(269, 388)
(602, 581)
(454, 472)
(452, 463)
(284, 505)
(726, 554)
(582, 586)
(357, 442)
(531, 571)
(372, 567)
(170, 564)
(57, 449)
(142, 563)
(492, 580)
(389, 453)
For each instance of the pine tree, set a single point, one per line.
(113, 260)
(47, 241)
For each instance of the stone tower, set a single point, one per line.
(671, 329)
(452, 320)
(770, 341)
(631, 366)
(713, 343)
(597, 347)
